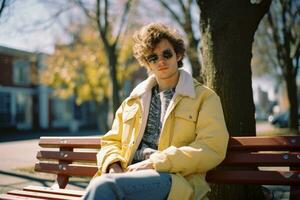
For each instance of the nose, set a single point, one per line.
(161, 61)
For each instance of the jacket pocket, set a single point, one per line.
(184, 127)
(129, 123)
(129, 112)
(189, 117)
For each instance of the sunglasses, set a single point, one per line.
(153, 58)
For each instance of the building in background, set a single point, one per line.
(25, 104)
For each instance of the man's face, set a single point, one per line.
(163, 61)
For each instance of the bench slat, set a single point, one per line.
(276, 143)
(254, 177)
(66, 169)
(232, 158)
(73, 142)
(76, 193)
(14, 197)
(250, 159)
(265, 143)
(67, 155)
(42, 195)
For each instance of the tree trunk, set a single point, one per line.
(102, 115)
(227, 33)
(112, 61)
(293, 99)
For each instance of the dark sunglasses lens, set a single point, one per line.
(167, 54)
(152, 58)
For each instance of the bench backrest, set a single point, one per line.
(68, 156)
(76, 156)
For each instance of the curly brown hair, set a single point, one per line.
(150, 35)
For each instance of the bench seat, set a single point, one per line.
(249, 160)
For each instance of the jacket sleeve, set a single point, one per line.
(111, 144)
(206, 151)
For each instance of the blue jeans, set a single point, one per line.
(144, 184)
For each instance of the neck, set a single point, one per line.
(168, 83)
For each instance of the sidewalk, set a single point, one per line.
(18, 157)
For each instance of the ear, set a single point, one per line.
(178, 57)
(148, 67)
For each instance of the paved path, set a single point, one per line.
(20, 154)
(17, 159)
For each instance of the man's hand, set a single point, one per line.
(146, 164)
(115, 168)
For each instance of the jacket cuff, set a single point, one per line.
(108, 161)
(160, 161)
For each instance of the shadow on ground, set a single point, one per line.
(35, 179)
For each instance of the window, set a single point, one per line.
(24, 110)
(21, 72)
(62, 112)
(5, 105)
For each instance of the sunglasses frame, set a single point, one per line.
(166, 55)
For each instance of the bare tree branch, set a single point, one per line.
(276, 38)
(44, 24)
(182, 5)
(123, 19)
(173, 13)
(102, 30)
(87, 12)
(297, 57)
(2, 6)
(106, 6)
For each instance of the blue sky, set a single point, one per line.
(23, 23)
(23, 27)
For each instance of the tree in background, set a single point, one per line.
(283, 31)
(80, 70)
(265, 67)
(227, 31)
(109, 30)
(182, 12)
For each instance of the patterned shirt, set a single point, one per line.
(158, 107)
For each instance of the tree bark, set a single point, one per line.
(227, 33)
(112, 61)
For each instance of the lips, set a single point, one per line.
(162, 68)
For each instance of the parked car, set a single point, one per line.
(281, 120)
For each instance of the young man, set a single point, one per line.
(166, 135)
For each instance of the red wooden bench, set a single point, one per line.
(76, 156)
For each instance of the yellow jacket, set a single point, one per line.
(193, 137)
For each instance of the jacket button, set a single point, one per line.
(190, 116)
